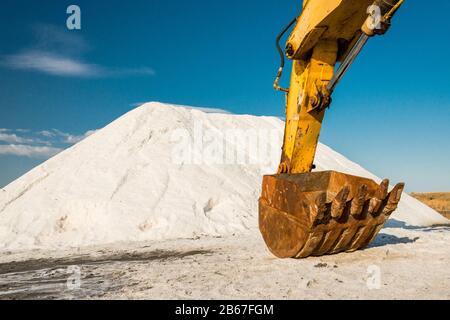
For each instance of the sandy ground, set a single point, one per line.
(402, 263)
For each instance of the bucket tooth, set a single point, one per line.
(339, 203)
(393, 199)
(320, 207)
(359, 201)
(374, 206)
(381, 194)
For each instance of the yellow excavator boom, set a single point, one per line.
(304, 213)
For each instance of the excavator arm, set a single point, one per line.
(327, 32)
(304, 213)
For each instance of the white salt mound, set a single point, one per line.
(122, 184)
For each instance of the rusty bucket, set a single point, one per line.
(314, 214)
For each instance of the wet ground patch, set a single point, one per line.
(84, 276)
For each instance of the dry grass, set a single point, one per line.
(439, 201)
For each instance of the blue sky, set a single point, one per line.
(391, 113)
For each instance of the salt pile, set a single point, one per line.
(135, 180)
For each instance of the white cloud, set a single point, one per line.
(29, 151)
(22, 130)
(13, 138)
(47, 133)
(51, 64)
(72, 139)
(43, 144)
(65, 66)
(58, 52)
(67, 138)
